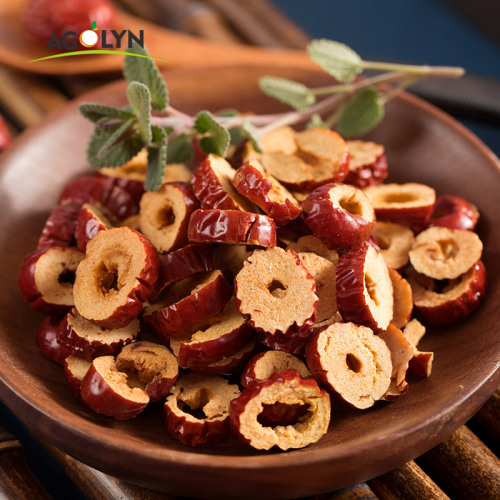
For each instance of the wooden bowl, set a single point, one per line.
(422, 144)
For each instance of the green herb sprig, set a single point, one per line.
(352, 106)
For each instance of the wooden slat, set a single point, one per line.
(488, 419)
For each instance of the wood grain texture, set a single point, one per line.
(422, 144)
(488, 419)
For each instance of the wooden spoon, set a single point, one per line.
(175, 49)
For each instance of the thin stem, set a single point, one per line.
(444, 71)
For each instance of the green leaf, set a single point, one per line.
(157, 158)
(140, 100)
(237, 134)
(336, 59)
(215, 138)
(228, 112)
(95, 112)
(253, 135)
(180, 149)
(316, 122)
(93, 26)
(105, 149)
(361, 113)
(143, 70)
(288, 92)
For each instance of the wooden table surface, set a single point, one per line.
(464, 466)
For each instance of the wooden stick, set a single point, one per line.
(488, 418)
(359, 491)
(409, 482)
(465, 466)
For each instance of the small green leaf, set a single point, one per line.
(157, 158)
(237, 134)
(215, 138)
(336, 59)
(140, 100)
(288, 92)
(228, 112)
(180, 149)
(93, 26)
(361, 113)
(144, 70)
(95, 112)
(316, 122)
(106, 150)
(253, 135)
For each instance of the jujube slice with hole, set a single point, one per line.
(403, 299)
(352, 362)
(207, 395)
(106, 391)
(266, 192)
(276, 292)
(99, 190)
(408, 204)
(442, 253)
(152, 367)
(340, 215)
(421, 362)
(46, 340)
(395, 242)
(212, 185)
(46, 279)
(367, 164)
(59, 228)
(454, 212)
(116, 277)
(91, 220)
(75, 370)
(165, 215)
(364, 288)
(87, 340)
(438, 305)
(232, 227)
(287, 388)
(187, 304)
(312, 244)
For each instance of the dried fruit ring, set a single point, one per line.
(60, 227)
(75, 370)
(276, 292)
(46, 340)
(91, 220)
(395, 242)
(116, 276)
(442, 253)
(349, 360)
(197, 411)
(367, 164)
(288, 388)
(454, 212)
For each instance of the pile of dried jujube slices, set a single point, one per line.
(295, 271)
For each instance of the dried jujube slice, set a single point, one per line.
(231, 258)
(87, 340)
(197, 411)
(421, 362)
(442, 253)
(99, 190)
(340, 215)
(367, 164)
(351, 361)
(276, 292)
(91, 220)
(106, 391)
(264, 364)
(187, 304)
(46, 340)
(454, 212)
(60, 227)
(165, 215)
(150, 366)
(232, 227)
(75, 370)
(223, 335)
(441, 303)
(266, 192)
(179, 264)
(116, 277)
(212, 185)
(364, 288)
(46, 279)
(407, 204)
(395, 242)
(293, 342)
(403, 299)
(312, 244)
(287, 388)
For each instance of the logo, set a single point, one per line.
(111, 40)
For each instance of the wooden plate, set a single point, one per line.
(422, 144)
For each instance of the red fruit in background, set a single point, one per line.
(4, 135)
(41, 18)
(454, 212)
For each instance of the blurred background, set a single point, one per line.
(437, 32)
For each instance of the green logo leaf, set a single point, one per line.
(93, 26)
(215, 138)
(288, 92)
(336, 59)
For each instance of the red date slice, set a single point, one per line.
(395, 242)
(46, 340)
(421, 363)
(86, 340)
(454, 212)
(165, 215)
(197, 411)
(46, 279)
(287, 388)
(60, 227)
(75, 370)
(312, 244)
(367, 164)
(403, 300)
(116, 277)
(232, 227)
(91, 220)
